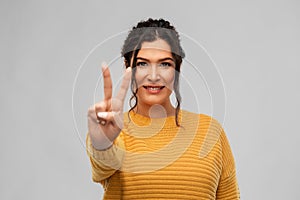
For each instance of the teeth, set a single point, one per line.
(152, 88)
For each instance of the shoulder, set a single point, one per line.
(214, 136)
(209, 131)
(126, 116)
(203, 120)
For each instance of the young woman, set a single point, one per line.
(156, 150)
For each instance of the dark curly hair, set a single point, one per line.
(149, 31)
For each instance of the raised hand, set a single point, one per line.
(105, 119)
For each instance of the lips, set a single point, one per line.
(153, 89)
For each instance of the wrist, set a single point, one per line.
(102, 146)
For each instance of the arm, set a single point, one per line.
(104, 144)
(104, 163)
(228, 186)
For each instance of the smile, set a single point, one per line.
(153, 89)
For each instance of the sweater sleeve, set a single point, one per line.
(228, 186)
(105, 163)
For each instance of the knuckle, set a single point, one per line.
(91, 110)
(99, 105)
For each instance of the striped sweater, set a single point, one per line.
(155, 159)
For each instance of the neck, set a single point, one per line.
(156, 110)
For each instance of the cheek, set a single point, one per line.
(139, 77)
(169, 79)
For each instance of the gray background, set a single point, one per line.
(43, 43)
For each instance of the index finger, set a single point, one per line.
(124, 85)
(107, 82)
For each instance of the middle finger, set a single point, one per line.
(107, 82)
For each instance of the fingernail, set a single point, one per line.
(104, 65)
(102, 114)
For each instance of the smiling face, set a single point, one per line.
(155, 73)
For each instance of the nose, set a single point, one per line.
(153, 75)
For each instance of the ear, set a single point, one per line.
(126, 63)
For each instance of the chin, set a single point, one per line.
(151, 98)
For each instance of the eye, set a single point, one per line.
(165, 64)
(141, 64)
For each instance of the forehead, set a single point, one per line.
(156, 49)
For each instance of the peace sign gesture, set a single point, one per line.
(105, 119)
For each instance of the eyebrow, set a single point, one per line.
(160, 60)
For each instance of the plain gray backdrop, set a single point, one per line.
(255, 45)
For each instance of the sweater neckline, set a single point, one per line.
(141, 120)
